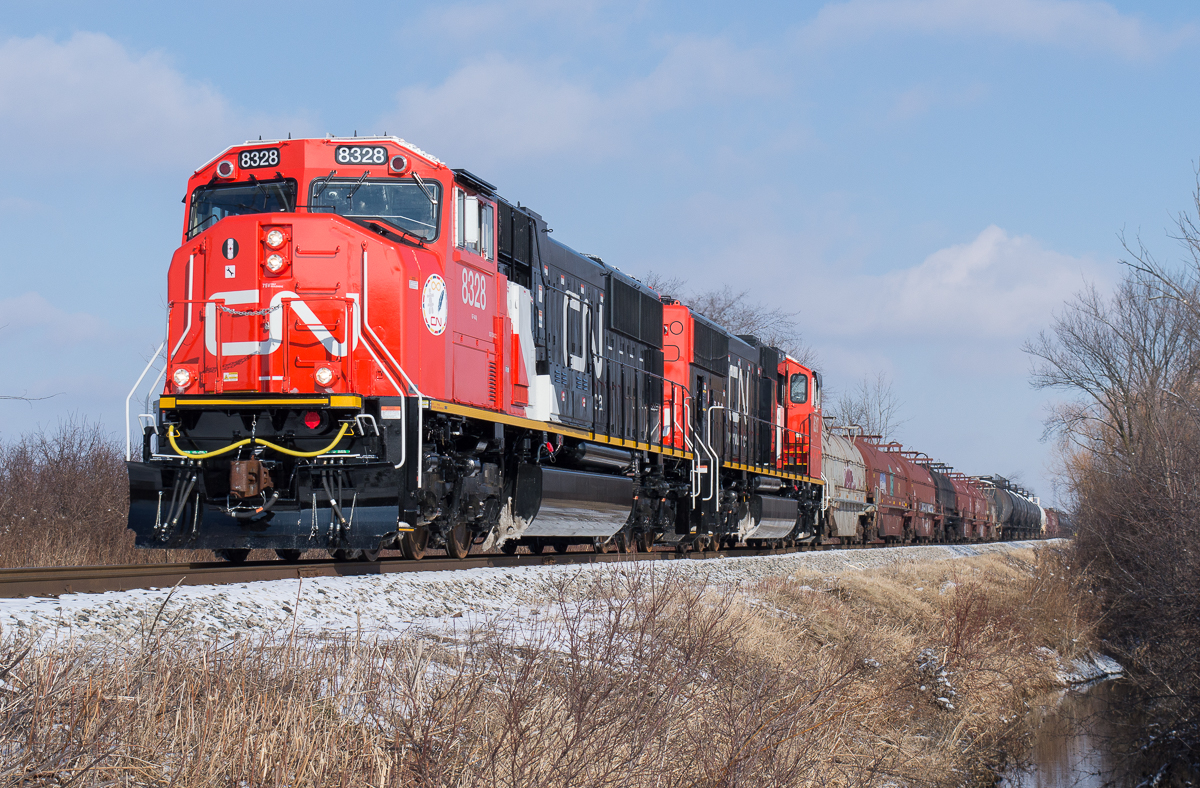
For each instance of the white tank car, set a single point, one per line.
(845, 477)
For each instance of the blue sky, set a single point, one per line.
(925, 180)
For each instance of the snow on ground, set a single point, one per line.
(394, 603)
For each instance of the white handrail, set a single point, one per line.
(132, 391)
(716, 479)
(400, 368)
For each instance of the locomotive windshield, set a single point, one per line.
(211, 204)
(402, 204)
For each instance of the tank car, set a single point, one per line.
(1018, 513)
(367, 349)
(845, 475)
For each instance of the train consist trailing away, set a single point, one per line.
(367, 349)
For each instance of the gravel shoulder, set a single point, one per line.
(394, 603)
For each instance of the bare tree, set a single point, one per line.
(1130, 438)
(871, 404)
(739, 313)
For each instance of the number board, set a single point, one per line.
(261, 157)
(361, 154)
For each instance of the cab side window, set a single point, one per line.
(799, 388)
(475, 224)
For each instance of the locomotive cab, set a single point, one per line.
(800, 403)
(279, 366)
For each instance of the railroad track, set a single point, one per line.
(55, 580)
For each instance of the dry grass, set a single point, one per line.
(636, 682)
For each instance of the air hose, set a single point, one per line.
(200, 455)
(293, 453)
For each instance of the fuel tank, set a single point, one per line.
(556, 502)
(773, 517)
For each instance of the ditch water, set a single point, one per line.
(1079, 741)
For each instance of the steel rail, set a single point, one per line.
(56, 580)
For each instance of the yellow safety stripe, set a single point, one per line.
(557, 429)
(560, 429)
(331, 401)
(771, 472)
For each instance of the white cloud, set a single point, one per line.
(495, 108)
(1085, 24)
(88, 101)
(997, 286)
(498, 109)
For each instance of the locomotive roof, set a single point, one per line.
(330, 138)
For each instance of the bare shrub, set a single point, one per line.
(64, 501)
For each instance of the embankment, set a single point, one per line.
(914, 672)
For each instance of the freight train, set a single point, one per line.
(369, 350)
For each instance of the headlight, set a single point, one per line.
(324, 376)
(275, 263)
(274, 239)
(182, 377)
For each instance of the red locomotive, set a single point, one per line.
(367, 349)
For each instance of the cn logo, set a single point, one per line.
(229, 248)
(275, 324)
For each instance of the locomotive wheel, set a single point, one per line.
(645, 541)
(509, 547)
(346, 555)
(368, 555)
(414, 542)
(458, 541)
(536, 546)
(626, 543)
(233, 556)
(291, 556)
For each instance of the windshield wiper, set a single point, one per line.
(196, 227)
(324, 185)
(350, 196)
(424, 188)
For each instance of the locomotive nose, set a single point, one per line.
(250, 264)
